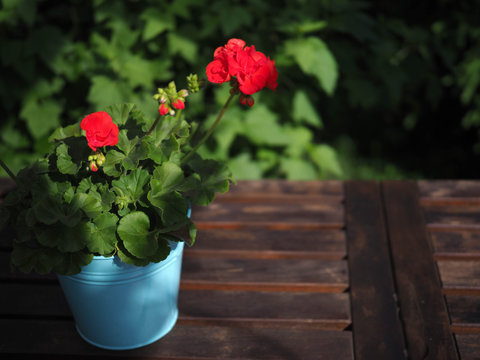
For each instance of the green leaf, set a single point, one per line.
(244, 168)
(65, 132)
(133, 229)
(120, 112)
(262, 127)
(156, 22)
(72, 263)
(182, 46)
(102, 237)
(214, 177)
(104, 92)
(314, 58)
(41, 260)
(138, 153)
(124, 143)
(89, 203)
(303, 110)
(166, 178)
(64, 161)
(112, 159)
(132, 185)
(172, 208)
(298, 169)
(65, 239)
(41, 117)
(325, 157)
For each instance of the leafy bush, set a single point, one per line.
(362, 86)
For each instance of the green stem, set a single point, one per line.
(210, 131)
(154, 125)
(9, 172)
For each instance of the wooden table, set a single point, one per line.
(298, 270)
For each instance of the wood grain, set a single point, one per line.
(183, 342)
(272, 215)
(464, 313)
(261, 243)
(423, 309)
(376, 325)
(460, 277)
(468, 346)
(456, 245)
(452, 215)
(271, 274)
(438, 189)
(279, 187)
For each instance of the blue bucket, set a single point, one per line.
(118, 306)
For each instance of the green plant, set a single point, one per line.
(119, 182)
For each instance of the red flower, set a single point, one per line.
(179, 104)
(163, 109)
(100, 130)
(253, 69)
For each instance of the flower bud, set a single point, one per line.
(171, 86)
(250, 101)
(90, 158)
(172, 112)
(163, 109)
(179, 104)
(163, 99)
(100, 162)
(243, 98)
(183, 93)
(93, 166)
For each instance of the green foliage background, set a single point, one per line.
(366, 89)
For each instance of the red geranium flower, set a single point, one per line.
(252, 68)
(100, 130)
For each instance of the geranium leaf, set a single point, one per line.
(64, 161)
(120, 112)
(102, 234)
(172, 207)
(72, 263)
(166, 178)
(65, 132)
(41, 260)
(132, 185)
(90, 204)
(112, 159)
(134, 230)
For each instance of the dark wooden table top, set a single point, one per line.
(298, 270)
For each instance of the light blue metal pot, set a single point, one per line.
(118, 306)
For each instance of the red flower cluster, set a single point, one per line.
(100, 130)
(253, 69)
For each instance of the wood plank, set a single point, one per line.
(438, 189)
(277, 186)
(292, 310)
(183, 342)
(456, 245)
(460, 277)
(464, 313)
(468, 346)
(423, 309)
(270, 274)
(452, 215)
(272, 215)
(376, 326)
(255, 309)
(266, 244)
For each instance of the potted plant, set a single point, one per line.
(108, 208)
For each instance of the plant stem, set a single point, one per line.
(154, 125)
(9, 172)
(210, 131)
